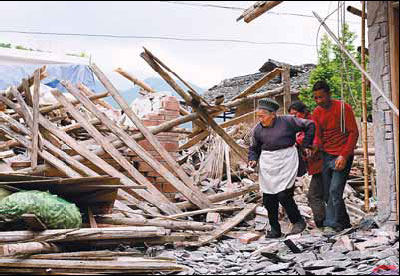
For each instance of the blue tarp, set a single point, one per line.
(13, 75)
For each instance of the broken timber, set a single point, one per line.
(193, 193)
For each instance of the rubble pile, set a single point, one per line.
(198, 212)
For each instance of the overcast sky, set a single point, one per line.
(203, 63)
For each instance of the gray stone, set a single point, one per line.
(277, 267)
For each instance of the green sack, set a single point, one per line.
(54, 212)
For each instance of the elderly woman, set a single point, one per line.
(273, 147)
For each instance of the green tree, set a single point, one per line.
(339, 72)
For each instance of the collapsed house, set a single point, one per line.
(125, 175)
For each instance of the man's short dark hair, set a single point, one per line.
(299, 106)
(321, 85)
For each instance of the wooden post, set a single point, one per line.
(228, 168)
(35, 121)
(393, 18)
(364, 112)
(28, 248)
(135, 80)
(257, 9)
(287, 97)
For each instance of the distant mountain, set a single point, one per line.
(155, 83)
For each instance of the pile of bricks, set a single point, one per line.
(170, 141)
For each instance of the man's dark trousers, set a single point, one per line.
(334, 184)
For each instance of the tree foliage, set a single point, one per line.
(339, 72)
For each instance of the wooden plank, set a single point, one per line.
(191, 90)
(226, 227)
(160, 198)
(228, 168)
(48, 109)
(168, 224)
(223, 196)
(187, 188)
(287, 98)
(28, 248)
(258, 84)
(202, 135)
(166, 77)
(35, 119)
(27, 92)
(90, 93)
(258, 10)
(44, 154)
(242, 152)
(199, 109)
(129, 266)
(84, 234)
(198, 212)
(135, 80)
(33, 222)
(92, 220)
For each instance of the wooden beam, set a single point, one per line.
(190, 191)
(287, 97)
(168, 224)
(355, 11)
(223, 196)
(191, 91)
(35, 119)
(226, 227)
(158, 197)
(28, 248)
(135, 80)
(242, 152)
(202, 135)
(48, 109)
(90, 93)
(204, 211)
(166, 77)
(199, 109)
(258, 9)
(92, 220)
(27, 92)
(258, 84)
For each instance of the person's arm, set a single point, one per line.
(308, 126)
(352, 130)
(255, 148)
(348, 148)
(318, 132)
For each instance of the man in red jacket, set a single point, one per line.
(336, 135)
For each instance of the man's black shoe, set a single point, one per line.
(273, 234)
(298, 227)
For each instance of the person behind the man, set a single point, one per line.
(336, 135)
(273, 147)
(314, 167)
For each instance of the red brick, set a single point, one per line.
(170, 146)
(174, 113)
(152, 116)
(169, 105)
(152, 122)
